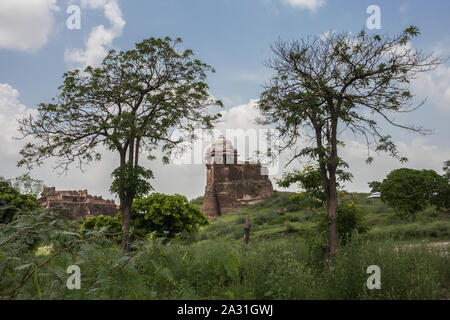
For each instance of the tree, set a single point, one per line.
(409, 191)
(350, 219)
(130, 104)
(13, 202)
(324, 85)
(310, 181)
(374, 186)
(166, 215)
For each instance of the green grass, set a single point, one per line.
(277, 268)
(382, 222)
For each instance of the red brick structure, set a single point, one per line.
(231, 185)
(77, 204)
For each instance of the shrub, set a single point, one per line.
(13, 202)
(268, 217)
(110, 224)
(198, 202)
(350, 220)
(167, 215)
(409, 191)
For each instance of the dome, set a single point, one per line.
(222, 148)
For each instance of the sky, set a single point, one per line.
(234, 36)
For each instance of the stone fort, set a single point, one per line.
(77, 204)
(231, 185)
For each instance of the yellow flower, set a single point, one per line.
(343, 192)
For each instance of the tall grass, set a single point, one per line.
(283, 268)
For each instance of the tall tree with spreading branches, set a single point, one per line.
(324, 85)
(130, 104)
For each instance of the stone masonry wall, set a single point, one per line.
(77, 204)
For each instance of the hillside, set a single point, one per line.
(379, 219)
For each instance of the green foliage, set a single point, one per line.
(354, 76)
(197, 201)
(350, 220)
(41, 246)
(131, 101)
(280, 268)
(167, 215)
(374, 186)
(309, 180)
(104, 223)
(279, 201)
(129, 179)
(151, 97)
(412, 231)
(409, 191)
(13, 202)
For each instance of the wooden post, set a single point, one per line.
(247, 227)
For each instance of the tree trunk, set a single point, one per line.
(332, 204)
(247, 227)
(332, 201)
(332, 225)
(125, 209)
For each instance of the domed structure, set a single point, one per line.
(231, 185)
(221, 151)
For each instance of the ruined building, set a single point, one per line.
(231, 185)
(77, 204)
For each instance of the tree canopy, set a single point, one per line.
(166, 215)
(409, 191)
(13, 202)
(130, 104)
(374, 186)
(325, 85)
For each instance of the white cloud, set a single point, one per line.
(242, 116)
(420, 152)
(100, 39)
(26, 24)
(10, 110)
(306, 4)
(96, 178)
(435, 86)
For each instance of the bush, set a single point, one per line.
(167, 215)
(409, 191)
(350, 220)
(110, 224)
(197, 201)
(13, 202)
(278, 268)
(268, 217)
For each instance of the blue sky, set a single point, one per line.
(233, 36)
